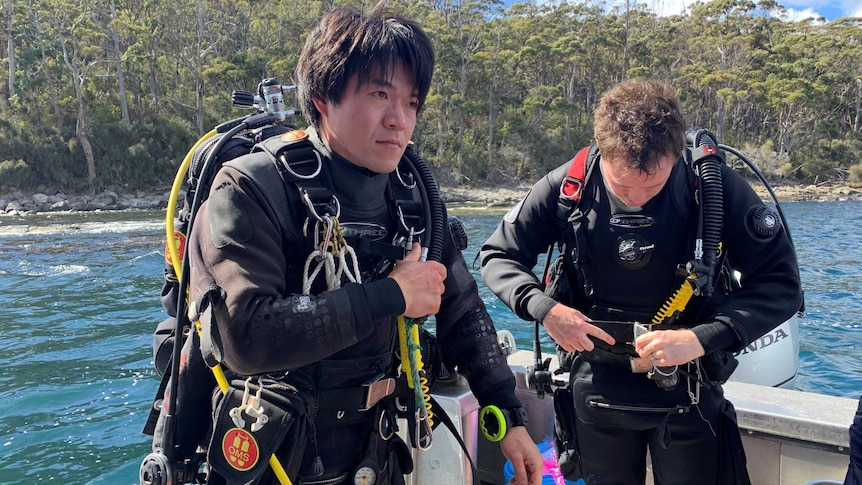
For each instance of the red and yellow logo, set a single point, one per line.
(180, 240)
(293, 135)
(240, 448)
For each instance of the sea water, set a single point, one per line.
(80, 299)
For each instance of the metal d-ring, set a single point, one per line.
(380, 426)
(412, 231)
(306, 199)
(301, 176)
(405, 184)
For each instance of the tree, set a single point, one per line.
(10, 45)
(72, 29)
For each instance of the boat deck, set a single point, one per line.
(790, 437)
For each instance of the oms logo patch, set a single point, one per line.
(180, 240)
(241, 449)
(293, 135)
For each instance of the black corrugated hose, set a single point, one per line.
(707, 164)
(434, 211)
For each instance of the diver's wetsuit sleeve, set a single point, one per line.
(510, 254)
(771, 290)
(467, 335)
(237, 245)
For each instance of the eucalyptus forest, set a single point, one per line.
(113, 93)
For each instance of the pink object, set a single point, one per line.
(550, 467)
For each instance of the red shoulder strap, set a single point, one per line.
(573, 184)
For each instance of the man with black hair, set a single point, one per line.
(362, 80)
(647, 337)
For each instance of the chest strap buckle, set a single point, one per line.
(377, 390)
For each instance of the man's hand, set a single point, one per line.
(571, 329)
(518, 448)
(669, 347)
(421, 283)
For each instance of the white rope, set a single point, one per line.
(333, 255)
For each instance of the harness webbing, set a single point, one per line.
(573, 184)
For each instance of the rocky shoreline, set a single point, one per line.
(507, 196)
(18, 203)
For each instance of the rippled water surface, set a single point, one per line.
(80, 300)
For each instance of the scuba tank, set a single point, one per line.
(176, 458)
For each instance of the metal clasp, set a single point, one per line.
(377, 390)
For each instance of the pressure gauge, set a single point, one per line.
(365, 475)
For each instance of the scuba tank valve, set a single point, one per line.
(269, 98)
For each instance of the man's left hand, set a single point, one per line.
(526, 460)
(669, 347)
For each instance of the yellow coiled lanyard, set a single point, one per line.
(414, 369)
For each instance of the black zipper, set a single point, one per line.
(678, 409)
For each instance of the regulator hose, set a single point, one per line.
(707, 163)
(435, 212)
(713, 216)
(408, 328)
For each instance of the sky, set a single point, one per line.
(796, 9)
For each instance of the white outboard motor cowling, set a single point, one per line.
(773, 359)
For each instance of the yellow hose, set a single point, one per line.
(402, 345)
(176, 260)
(172, 204)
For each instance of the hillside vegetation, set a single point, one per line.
(111, 95)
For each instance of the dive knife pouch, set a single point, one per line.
(253, 422)
(719, 366)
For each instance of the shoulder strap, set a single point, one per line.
(299, 165)
(302, 170)
(406, 198)
(570, 211)
(573, 184)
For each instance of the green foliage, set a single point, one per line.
(855, 175)
(144, 156)
(827, 160)
(16, 173)
(512, 96)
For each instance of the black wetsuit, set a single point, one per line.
(621, 413)
(247, 241)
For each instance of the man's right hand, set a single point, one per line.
(421, 283)
(571, 329)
